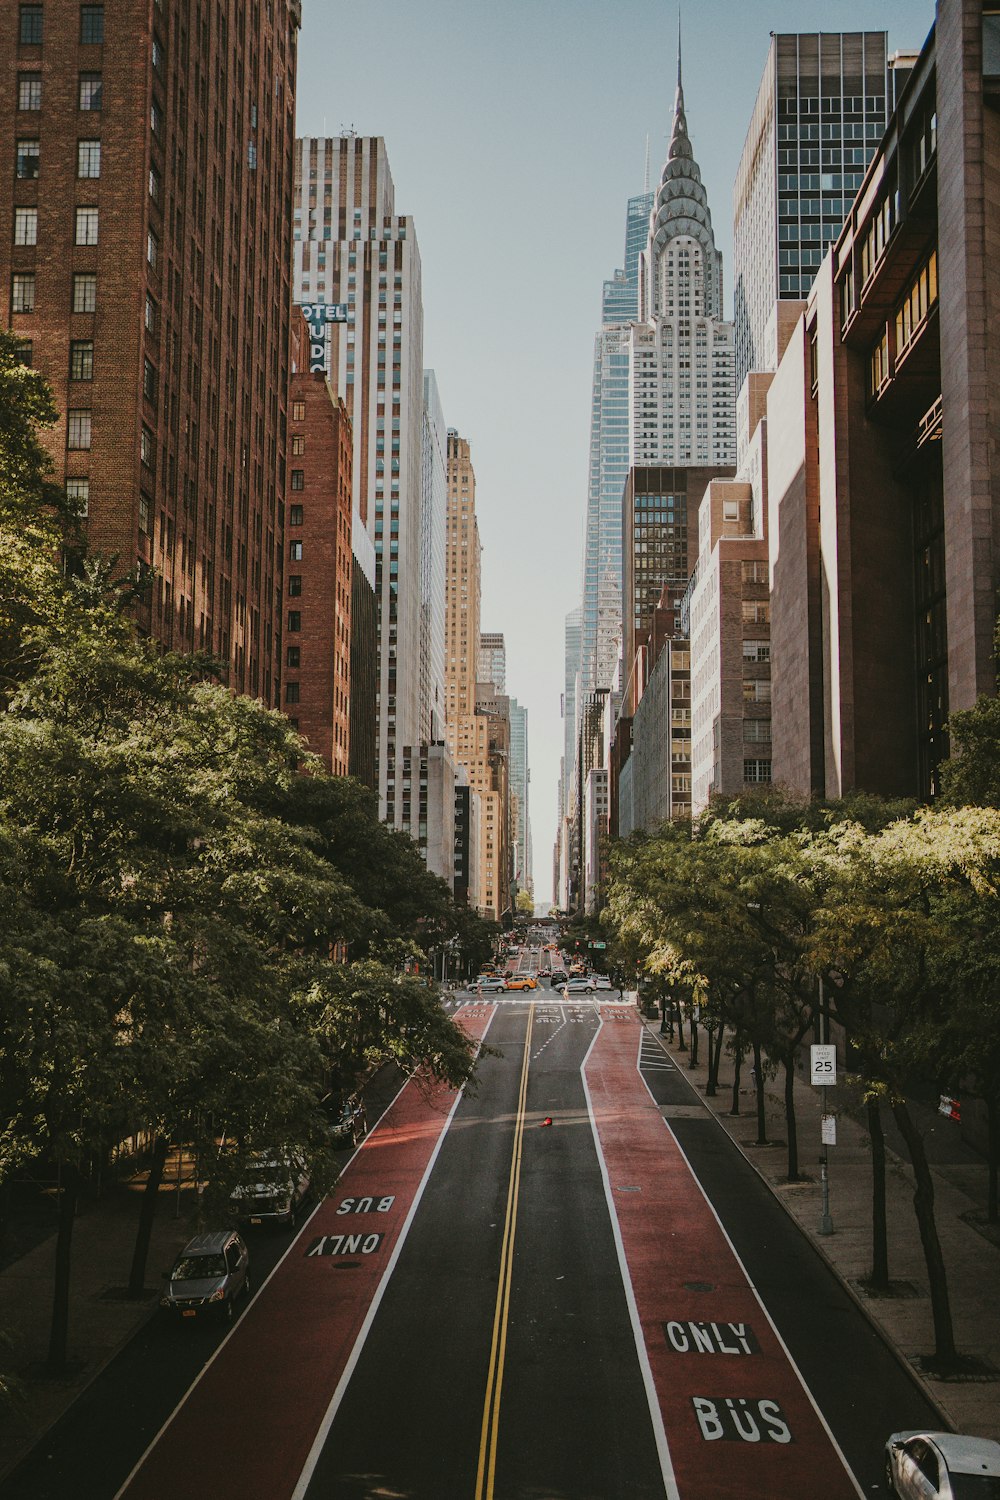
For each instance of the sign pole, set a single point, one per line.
(826, 1219)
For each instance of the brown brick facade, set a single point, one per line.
(175, 354)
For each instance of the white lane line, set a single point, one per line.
(359, 1343)
(736, 1256)
(655, 1414)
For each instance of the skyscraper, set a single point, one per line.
(433, 513)
(493, 659)
(821, 111)
(602, 561)
(144, 250)
(683, 406)
(353, 250)
(520, 778)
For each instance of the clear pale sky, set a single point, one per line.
(516, 130)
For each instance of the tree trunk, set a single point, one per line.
(69, 1185)
(758, 1073)
(693, 1059)
(737, 1063)
(715, 1062)
(923, 1203)
(666, 1031)
(147, 1214)
(791, 1125)
(682, 1045)
(993, 1127)
(879, 1277)
(710, 1081)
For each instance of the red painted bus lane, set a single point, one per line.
(246, 1428)
(738, 1422)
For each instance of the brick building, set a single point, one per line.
(318, 564)
(145, 254)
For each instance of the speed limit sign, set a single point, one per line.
(823, 1064)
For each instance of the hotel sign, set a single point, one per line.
(318, 315)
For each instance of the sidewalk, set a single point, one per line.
(101, 1318)
(972, 1259)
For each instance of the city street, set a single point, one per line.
(567, 1284)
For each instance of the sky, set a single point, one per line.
(515, 131)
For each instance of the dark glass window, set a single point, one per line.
(295, 513)
(91, 25)
(84, 292)
(29, 91)
(294, 620)
(295, 585)
(27, 159)
(31, 26)
(298, 479)
(291, 692)
(81, 359)
(294, 656)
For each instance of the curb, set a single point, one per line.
(930, 1396)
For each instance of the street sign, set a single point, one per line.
(828, 1130)
(823, 1064)
(598, 945)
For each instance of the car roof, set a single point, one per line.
(963, 1455)
(212, 1243)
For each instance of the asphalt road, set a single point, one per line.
(516, 1345)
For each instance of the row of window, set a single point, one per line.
(90, 92)
(31, 25)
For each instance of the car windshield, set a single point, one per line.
(198, 1267)
(975, 1486)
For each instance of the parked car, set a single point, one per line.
(348, 1121)
(274, 1189)
(580, 984)
(942, 1466)
(488, 982)
(209, 1274)
(522, 982)
(558, 977)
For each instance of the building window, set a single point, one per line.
(155, 118)
(295, 515)
(91, 90)
(150, 315)
(91, 25)
(757, 730)
(78, 429)
(144, 508)
(152, 248)
(26, 226)
(291, 692)
(86, 226)
(84, 292)
(294, 620)
(293, 656)
(81, 359)
(298, 444)
(298, 411)
(295, 551)
(756, 612)
(88, 158)
(295, 585)
(23, 297)
(756, 772)
(30, 34)
(298, 479)
(147, 448)
(27, 159)
(24, 351)
(29, 91)
(149, 380)
(78, 495)
(154, 184)
(756, 650)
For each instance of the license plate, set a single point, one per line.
(188, 1312)
(255, 1221)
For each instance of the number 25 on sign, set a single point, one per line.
(823, 1064)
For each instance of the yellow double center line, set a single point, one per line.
(494, 1380)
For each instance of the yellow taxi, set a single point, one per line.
(522, 982)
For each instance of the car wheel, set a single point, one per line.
(890, 1487)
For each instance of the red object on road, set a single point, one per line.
(547, 1120)
(286, 1357)
(737, 1420)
